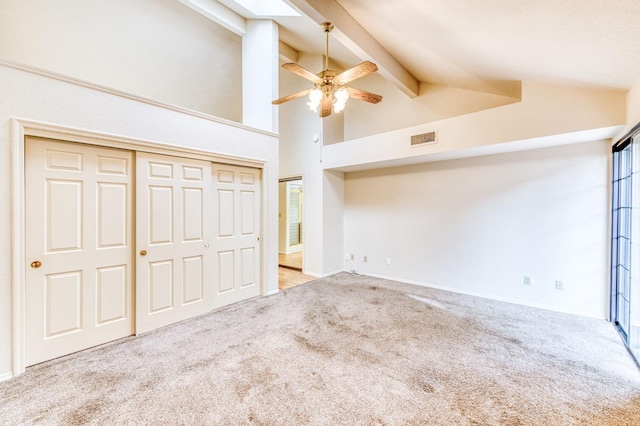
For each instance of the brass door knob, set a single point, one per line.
(143, 252)
(36, 264)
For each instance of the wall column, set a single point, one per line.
(260, 75)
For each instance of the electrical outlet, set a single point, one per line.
(527, 280)
(559, 285)
(347, 256)
(388, 261)
(365, 258)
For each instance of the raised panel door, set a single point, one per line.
(173, 259)
(237, 240)
(78, 215)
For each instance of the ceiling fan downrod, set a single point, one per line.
(327, 27)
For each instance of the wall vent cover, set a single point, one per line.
(424, 138)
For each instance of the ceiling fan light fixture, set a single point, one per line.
(340, 99)
(315, 96)
(330, 91)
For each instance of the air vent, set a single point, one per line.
(424, 138)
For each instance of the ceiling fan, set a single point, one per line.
(329, 86)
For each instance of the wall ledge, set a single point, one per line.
(79, 82)
(604, 133)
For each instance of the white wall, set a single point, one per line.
(301, 156)
(323, 190)
(479, 225)
(633, 105)
(39, 98)
(332, 222)
(544, 116)
(260, 74)
(158, 49)
(397, 110)
(298, 125)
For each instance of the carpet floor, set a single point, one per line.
(344, 350)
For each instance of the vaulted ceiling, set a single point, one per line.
(480, 45)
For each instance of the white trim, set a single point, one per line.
(5, 376)
(482, 295)
(264, 226)
(70, 134)
(17, 246)
(219, 14)
(104, 89)
(272, 292)
(22, 128)
(287, 178)
(328, 274)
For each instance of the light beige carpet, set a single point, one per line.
(345, 350)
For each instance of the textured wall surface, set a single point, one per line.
(157, 49)
(480, 225)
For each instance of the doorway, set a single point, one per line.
(290, 233)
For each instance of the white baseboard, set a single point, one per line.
(316, 275)
(332, 273)
(5, 376)
(484, 295)
(272, 291)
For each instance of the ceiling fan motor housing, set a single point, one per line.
(328, 85)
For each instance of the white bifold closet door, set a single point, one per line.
(237, 234)
(78, 247)
(174, 261)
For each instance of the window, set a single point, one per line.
(625, 253)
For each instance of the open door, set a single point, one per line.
(290, 235)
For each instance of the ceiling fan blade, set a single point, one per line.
(326, 105)
(290, 97)
(302, 72)
(363, 95)
(356, 72)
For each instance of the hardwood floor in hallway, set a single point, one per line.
(288, 278)
(291, 260)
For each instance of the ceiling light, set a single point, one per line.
(329, 91)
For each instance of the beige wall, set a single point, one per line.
(547, 115)
(157, 49)
(397, 110)
(633, 106)
(301, 156)
(479, 225)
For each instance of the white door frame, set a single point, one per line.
(21, 128)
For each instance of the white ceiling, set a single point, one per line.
(458, 43)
